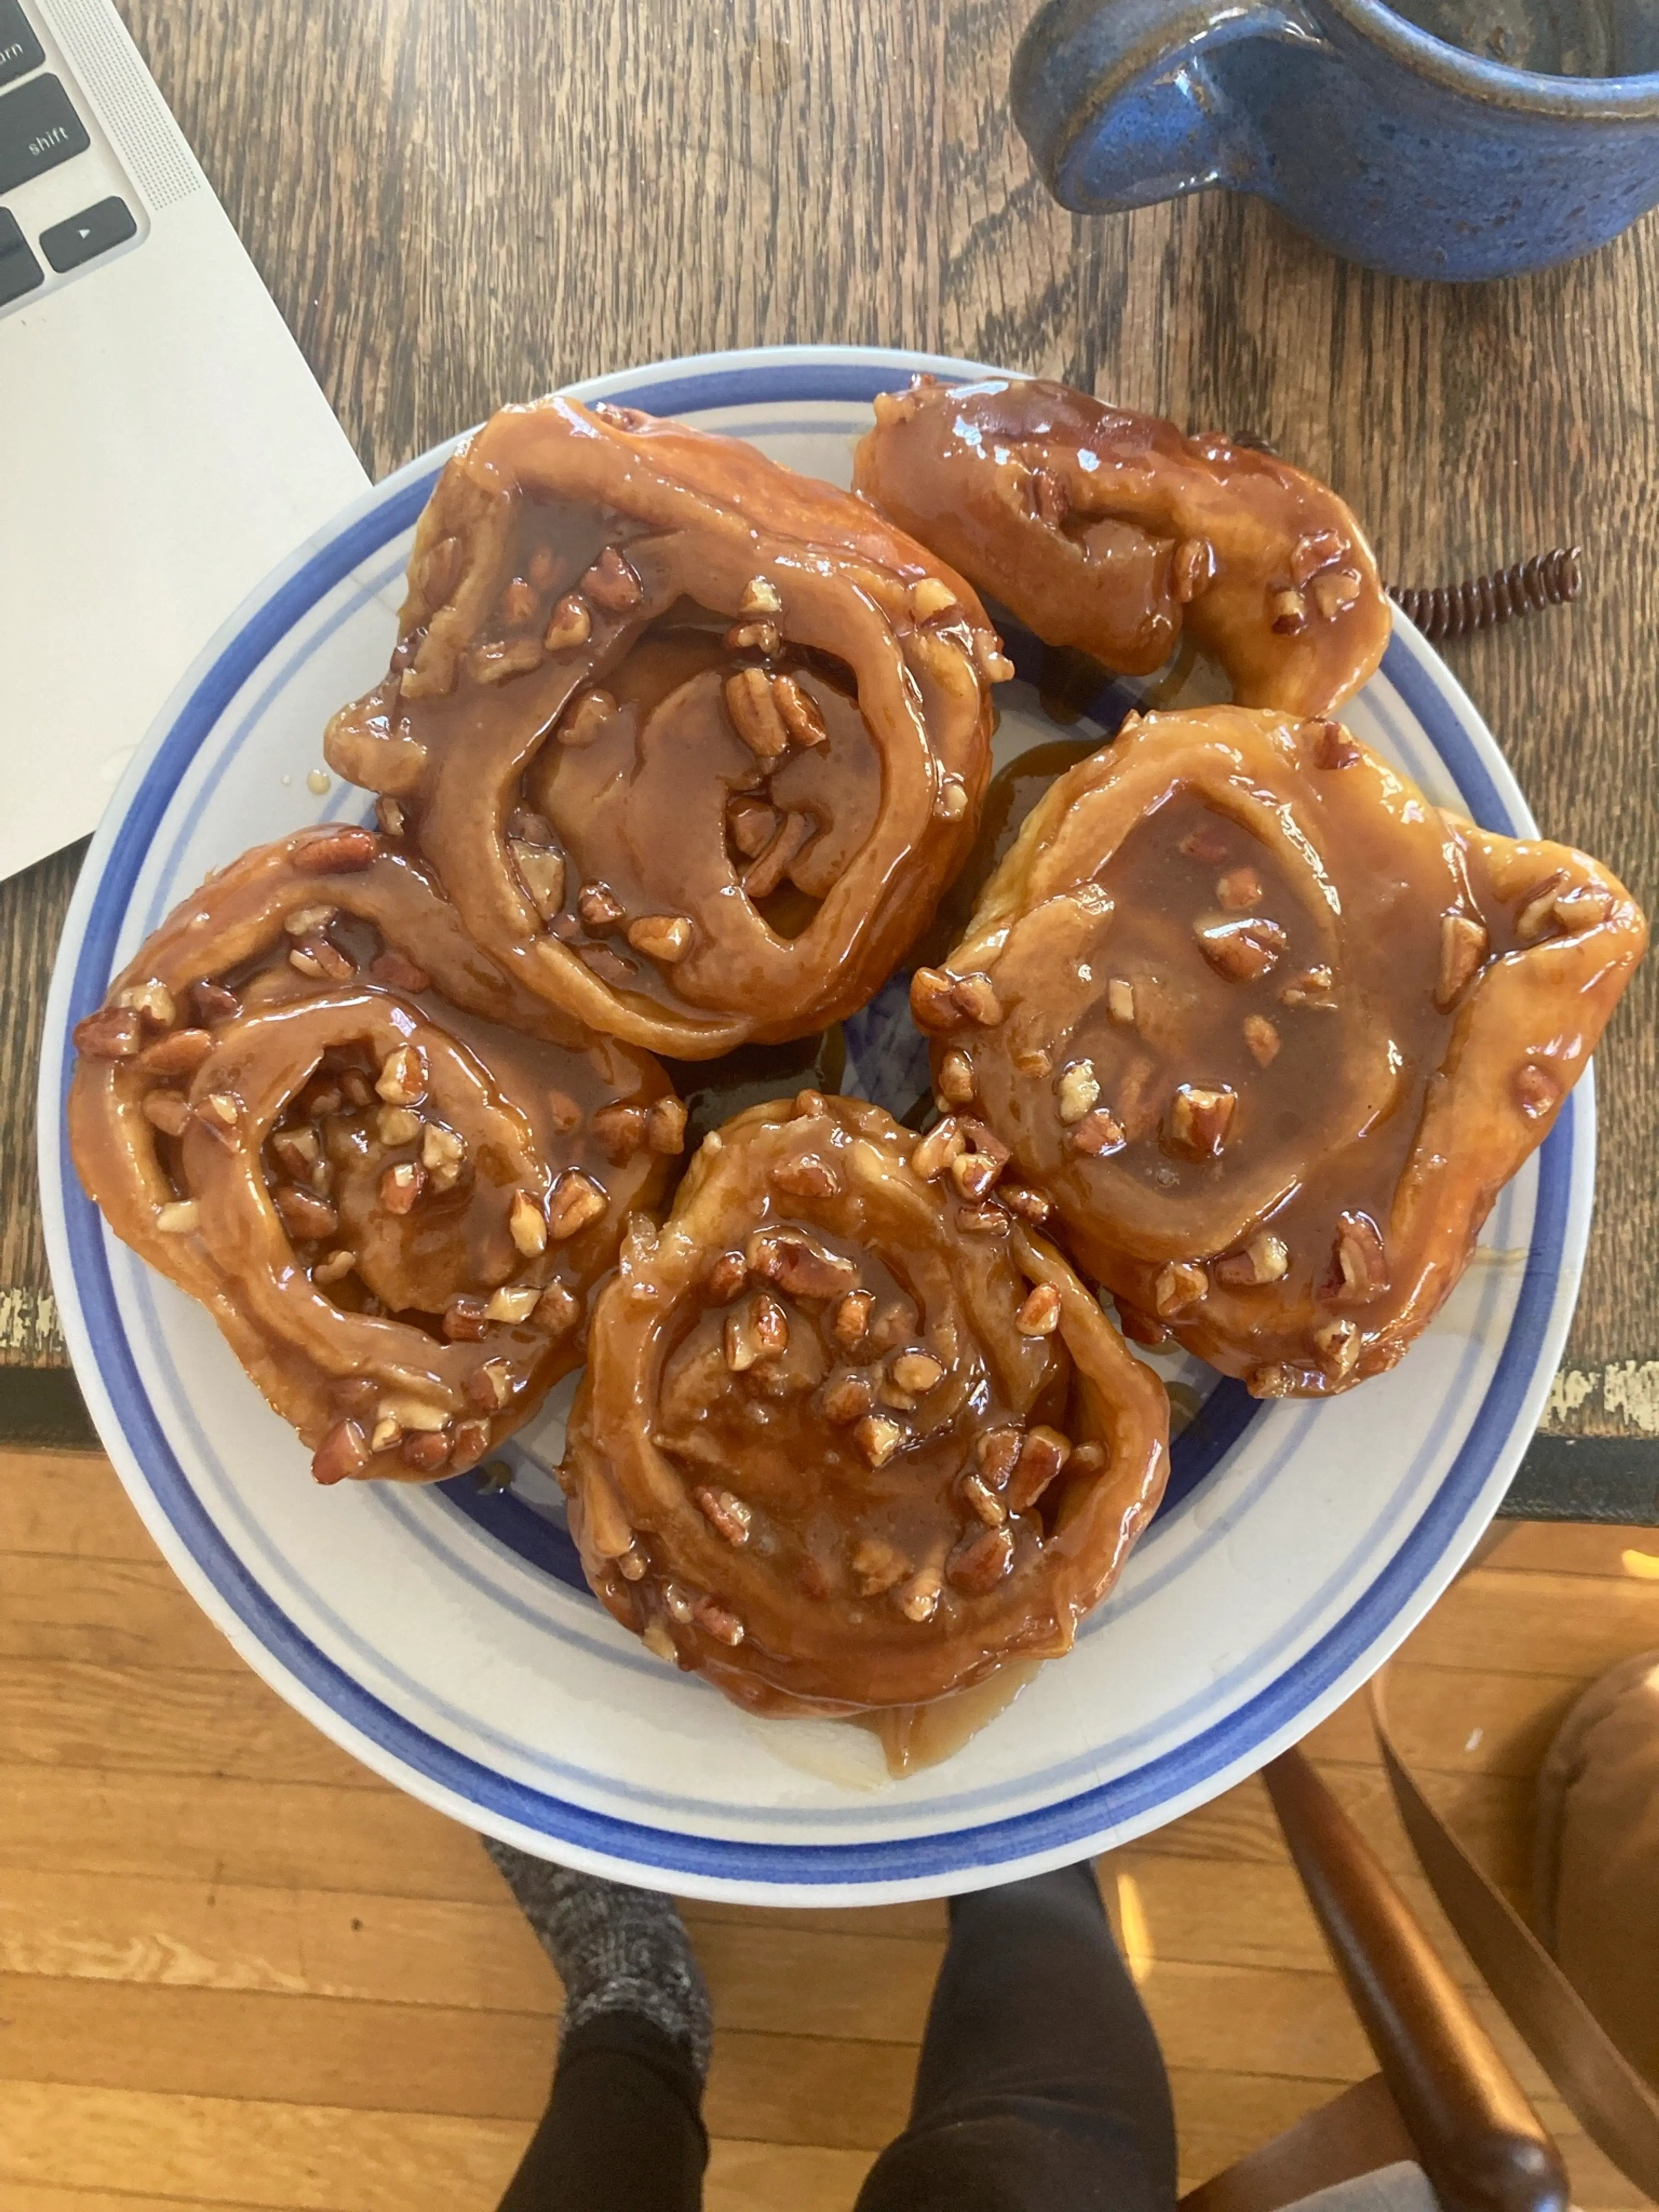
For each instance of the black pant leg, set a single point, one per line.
(623, 2131)
(1041, 2087)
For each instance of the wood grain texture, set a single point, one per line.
(237, 1969)
(461, 205)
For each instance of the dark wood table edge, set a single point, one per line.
(1606, 1478)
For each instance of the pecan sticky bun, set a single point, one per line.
(694, 742)
(1270, 1032)
(1109, 531)
(301, 1101)
(850, 1434)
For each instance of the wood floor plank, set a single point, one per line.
(1196, 1911)
(281, 2157)
(292, 1942)
(161, 1720)
(1539, 1623)
(68, 1502)
(1457, 1719)
(1490, 1812)
(751, 2177)
(926, 1916)
(775, 1979)
(253, 1831)
(1576, 1547)
(342, 1944)
(1220, 2117)
(105, 1613)
(230, 2044)
(33, 2196)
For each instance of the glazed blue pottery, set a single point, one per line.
(1470, 139)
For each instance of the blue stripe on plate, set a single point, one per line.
(1088, 1812)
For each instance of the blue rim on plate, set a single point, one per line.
(397, 1747)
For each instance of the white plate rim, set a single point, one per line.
(866, 1872)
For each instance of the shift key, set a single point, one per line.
(38, 129)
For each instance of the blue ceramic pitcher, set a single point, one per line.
(1470, 139)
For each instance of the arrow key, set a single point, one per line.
(86, 236)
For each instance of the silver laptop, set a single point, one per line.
(162, 443)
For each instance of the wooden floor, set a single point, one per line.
(237, 1969)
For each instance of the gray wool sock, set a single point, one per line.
(617, 1949)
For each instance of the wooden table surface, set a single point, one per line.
(461, 204)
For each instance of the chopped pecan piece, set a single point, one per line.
(401, 1187)
(665, 937)
(849, 1399)
(576, 1201)
(1263, 1038)
(465, 1319)
(1041, 1455)
(612, 584)
(1077, 1091)
(1339, 1343)
(728, 1517)
(1098, 1133)
(1245, 951)
(1179, 1283)
(980, 1560)
(181, 1052)
(336, 852)
(1361, 1261)
(852, 1319)
(304, 1214)
(620, 1130)
(806, 1176)
(167, 1111)
(1462, 948)
(877, 1567)
(878, 1438)
(955, 1079)
(977, 999)
(402, 1080)
(569, 625)
(1238, 890)
(557, 1310)
(1264, 1259)
(343, 1452)
(983, 1500)
(800, 1268)
(527, 1225)
(1200, 1119)
(588, 716)
(1040, 1314)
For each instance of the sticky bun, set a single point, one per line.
(389, 1173)
(1270, 1032)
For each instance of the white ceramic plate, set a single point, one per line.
(447, 1637)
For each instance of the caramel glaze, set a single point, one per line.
(693, 742)
(849, 1440)
(303, 1102)
(1109, 531)
(1272, 1031)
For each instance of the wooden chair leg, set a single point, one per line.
(1356, 2133)
(1477, 2138)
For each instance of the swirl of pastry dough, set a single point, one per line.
(693, 742)
(850, 1434)
(300, 1102)
(1270, 1032)
(1111, 532)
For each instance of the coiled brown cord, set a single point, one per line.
(1443, 611)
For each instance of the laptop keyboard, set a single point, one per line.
(20, 50)
(40, 132)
